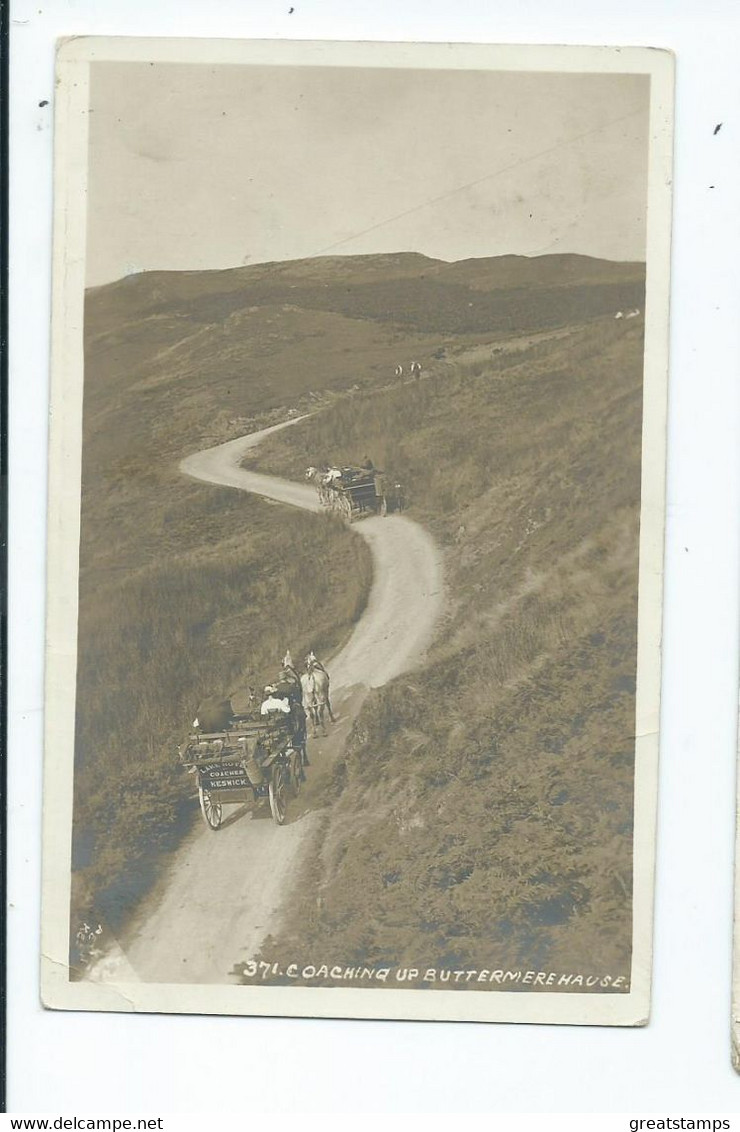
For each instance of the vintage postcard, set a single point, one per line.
(356, 529)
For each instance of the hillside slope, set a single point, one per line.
(187, 589)
(483, 813)
(176, 358)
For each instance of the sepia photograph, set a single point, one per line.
(356, 529)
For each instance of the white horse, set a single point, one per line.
(320, 482)
(315, 688)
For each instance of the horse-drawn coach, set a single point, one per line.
(250, 761)
(352, 491)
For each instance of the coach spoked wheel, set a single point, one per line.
(346, 508)
(296, 771)
(212, 811)
(278, 793)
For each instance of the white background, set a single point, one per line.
(83, 1063)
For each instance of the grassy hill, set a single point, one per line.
(176, 355)
(520, 449)
(483, 812)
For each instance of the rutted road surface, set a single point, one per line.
(224, 891)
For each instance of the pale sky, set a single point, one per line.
(200, 166)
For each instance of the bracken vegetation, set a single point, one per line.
(483, 812)
(186, 591)
(208, 619)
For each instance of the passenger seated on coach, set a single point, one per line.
(214, 715)
(273, 703)
(288, 686)
(279, 708)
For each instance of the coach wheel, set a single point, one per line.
(296, 772)
(278, 800)
(212, 811)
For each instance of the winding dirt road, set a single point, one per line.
(224, 891)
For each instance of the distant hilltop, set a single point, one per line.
(486, 272)
(412, 290)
